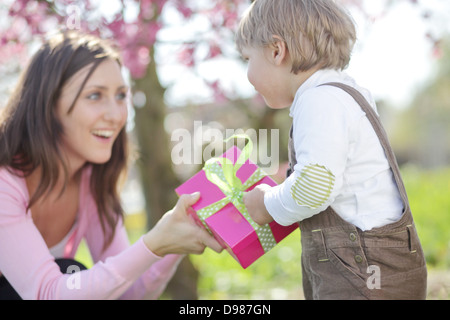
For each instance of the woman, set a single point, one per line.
(63, 151)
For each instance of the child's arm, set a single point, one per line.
(322, 134)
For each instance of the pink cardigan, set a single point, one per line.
(121, 271)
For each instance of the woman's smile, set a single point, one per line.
(98, 115)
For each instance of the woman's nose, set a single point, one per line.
(116, 111)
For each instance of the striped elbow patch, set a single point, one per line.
(313, 188)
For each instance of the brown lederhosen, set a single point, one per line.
(339, 261)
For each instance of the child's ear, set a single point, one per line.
(279, 50)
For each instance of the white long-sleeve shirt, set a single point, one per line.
(340, 161)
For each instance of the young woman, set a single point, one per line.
(63, 151)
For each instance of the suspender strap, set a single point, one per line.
(381, 133)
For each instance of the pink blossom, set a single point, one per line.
(186, 55)
(136, 60)
(218, 92)
(13, 51)
(183, 8)
(152, 29)
(30, 18)
(214, 50)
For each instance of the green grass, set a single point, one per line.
(276, 275)
(429, 197)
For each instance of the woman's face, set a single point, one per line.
(98, 115)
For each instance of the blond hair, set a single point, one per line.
(317, 33)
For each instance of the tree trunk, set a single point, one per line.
(157, 176)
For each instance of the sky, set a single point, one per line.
(393, 57)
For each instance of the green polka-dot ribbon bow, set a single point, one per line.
(222, 172)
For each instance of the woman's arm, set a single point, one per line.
(30, 268)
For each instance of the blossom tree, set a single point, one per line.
(134, 25)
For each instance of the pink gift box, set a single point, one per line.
(228, 226)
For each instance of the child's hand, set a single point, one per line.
(254, 201)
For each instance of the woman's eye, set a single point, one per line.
(94, 96)
(121, 96)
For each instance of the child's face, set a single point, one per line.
(98, 115)
(267, 77)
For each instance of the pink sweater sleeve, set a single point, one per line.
(148, 282)
(122, 271)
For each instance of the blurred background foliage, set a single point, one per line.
(421, 132)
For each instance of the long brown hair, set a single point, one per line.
(30, 132)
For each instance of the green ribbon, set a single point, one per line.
(222, 172)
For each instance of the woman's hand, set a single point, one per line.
(254, 202)
(176, 232)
